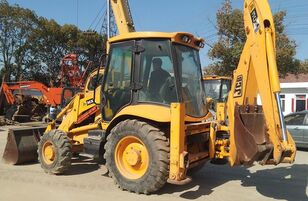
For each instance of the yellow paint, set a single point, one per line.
(131, 157)
(212, 140)
(221, 112)
(258, 69)
(84, 128)
(215, 77)
(122, 16)
(157, 113)
(77, 106)
(174, 37)
(177, 142)
(48, 153)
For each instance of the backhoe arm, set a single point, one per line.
(51, 96)
(122, 16)
(258, 132)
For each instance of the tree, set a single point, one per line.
(91, 48)
(51, 41)
(31, 47)
(227, 50)
(16, 24)
(304, 67)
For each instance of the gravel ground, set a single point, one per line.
(87, 181)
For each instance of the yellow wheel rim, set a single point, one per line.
(131, 157)
(48, 153)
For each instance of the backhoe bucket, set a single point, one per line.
(21, 146)
(251, 141)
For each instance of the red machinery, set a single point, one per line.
(26, 96)
(50, 96)
(71, 74)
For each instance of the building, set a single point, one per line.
(294, 93)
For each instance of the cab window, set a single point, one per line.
(94, 81)
(156, 73)
(117, 88)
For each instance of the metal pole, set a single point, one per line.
(77, 13)
(108, 19)
(281, 118)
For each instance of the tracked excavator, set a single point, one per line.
(150, 118)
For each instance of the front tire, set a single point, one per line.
(54, 152)
(137, 156)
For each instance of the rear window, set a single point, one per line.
(296, 119)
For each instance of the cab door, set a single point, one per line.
(117, 88)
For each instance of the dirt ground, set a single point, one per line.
(87, 181)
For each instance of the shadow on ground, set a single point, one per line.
(288, 183)
(81, 165)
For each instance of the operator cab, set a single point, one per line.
(160, 69)
(217, 87)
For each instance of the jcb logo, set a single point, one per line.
(255, 20)
(90, 101)
(238, 87)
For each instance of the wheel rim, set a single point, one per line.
(48, 153)
(131, 157)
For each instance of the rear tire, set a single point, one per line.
(144, 172)
(54, 152)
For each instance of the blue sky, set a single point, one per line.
(195, 16)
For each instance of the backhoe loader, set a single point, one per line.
(151, 115)
(22, 142)
(217, 87)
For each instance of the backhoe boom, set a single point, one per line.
(122, 16)
(257, 75)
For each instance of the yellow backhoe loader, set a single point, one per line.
(79, 115)
(151, 117)
(217, 87)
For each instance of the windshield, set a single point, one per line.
(217, 89)
(190, 76)
(156, 73)
(212, 88)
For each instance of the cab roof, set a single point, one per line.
(173, 36)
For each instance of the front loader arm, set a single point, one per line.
(258, 133)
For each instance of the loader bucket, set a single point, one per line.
(21, 146)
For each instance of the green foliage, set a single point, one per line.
(16, 25)
(227, 50)
(31, 47)
(304, 67)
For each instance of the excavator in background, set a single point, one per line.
(22, 142)
(148, 115)
(70, 73)
(24, 101)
